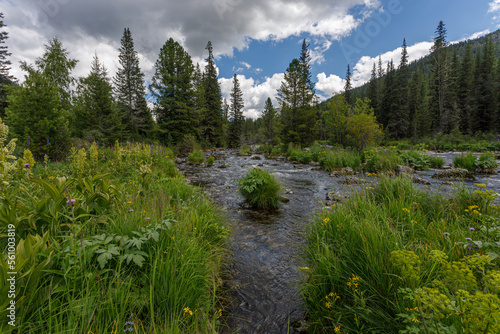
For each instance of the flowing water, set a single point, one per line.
(265, 269)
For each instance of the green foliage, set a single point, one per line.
(486, 162)
(236, 114)
(362, 129)
(196, 157)
(246, 150)
(7, 159)
(436, 162)
(467, 161)
(337, 159)
(98, 251)
(172, 89)
(402, 246)
(210, 160)
(260, 189)
(381, 161)
(35, 111)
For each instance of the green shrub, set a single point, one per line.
(300, 155)
(246, 150)
(381, 161)
(337, 159)
(486, 162)
(260, 189)
(467, 161)
(436, 162)
(415, 160)
(196, 157)
(210, 160)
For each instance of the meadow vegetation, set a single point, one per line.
(111, 240)
(395, 259)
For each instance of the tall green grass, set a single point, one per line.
(353, 283)
(260, 189)
(121, 244)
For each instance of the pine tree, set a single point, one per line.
(485, 94)
(236, 114)
(389, 101)
(348, 86)
(95, 116)
(441, 104)
(373, 89)
(172, 88)
(5, 78)
(307, 87)
(199, 103)
(269, 119)
(129, 90)
(398, 120)
(56, 65)
(465, 90)
(35, 111)
(297, 118)
(212, 121)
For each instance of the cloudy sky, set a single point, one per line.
(254, 39)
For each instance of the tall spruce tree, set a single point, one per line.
(199, 103)
(297, 116)
(212, 132)
(307, 91)
(172, 87)
(269, 119)
(389, 101)
(5, 78)
(236, 114)
(57, 66)
(485, 109)
(440, 104)
(398, 120)
(465, 89)
(95, 116)
(373, 89)
(130, 91)
(348, 86)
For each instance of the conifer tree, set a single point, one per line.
(130, 91)
(95, 116)
(36, 111)
(307, 87)
(269, 119)
(199, 103)
(465, 90)
(441, 104)
(389, 101)
(398, 119)
(348, 86)
(373, 89)
(212, 120)
(485, 94)
(297, 118)
(57, 66)
(172, 87)
(5, 78)
(236, 114)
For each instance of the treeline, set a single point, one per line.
(453, 90)
(51, 106)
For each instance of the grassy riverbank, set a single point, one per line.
(112, 241)
(395, 259)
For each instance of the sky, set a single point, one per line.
(256, 40)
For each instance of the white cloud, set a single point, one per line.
(254, 94)
(329, 85)
(494, 6)
(247, 65)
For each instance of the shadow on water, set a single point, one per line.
(266, 262)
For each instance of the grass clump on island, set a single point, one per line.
(395, 259)
(260, 189)
(486, 163)
(112, 241)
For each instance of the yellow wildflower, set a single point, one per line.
(326, 220)
(414, 320)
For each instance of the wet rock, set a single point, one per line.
(285, 199)
(301, 326)
(352, 180)
(256, 157)
(333, 197)
(260, 165)
(298, 167)
(454, 174)
(404, 170)
(346, 171)
(288, 191)
(314, 163)
(490, 171)
(296, 162)
(420, 180)
(316, 168)
(446, 183)
(180, 160)
(446, 167)
(222, 164)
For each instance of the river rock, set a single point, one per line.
(404, 170)
(454, 174)
(180, 160)
(285, 199)
(420, 180)
(296, 162)
(333, 197)
(346, 171)
(352, 180)
(491, 171)
(313, 163)
(256, 157)
(298, 167)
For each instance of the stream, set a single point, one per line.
(265, 269)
